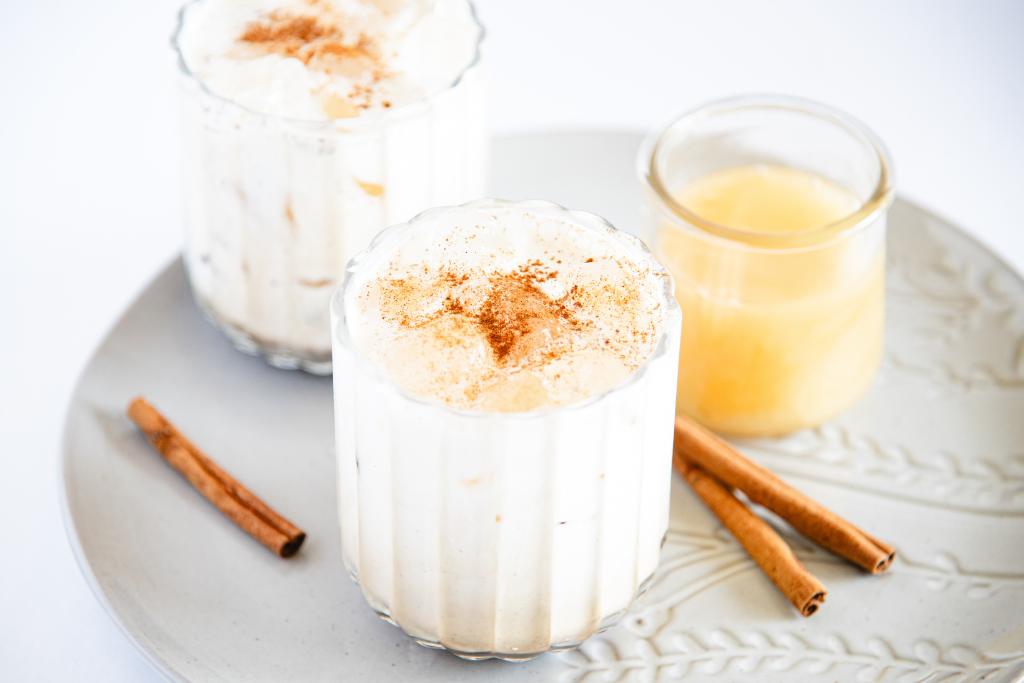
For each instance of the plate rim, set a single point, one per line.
(157, 663)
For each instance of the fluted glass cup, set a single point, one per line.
(275, 207)
(784, 330)
(501, 534)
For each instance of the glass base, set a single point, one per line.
(607, 622)
(274, 354)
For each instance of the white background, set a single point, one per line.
(88, 189)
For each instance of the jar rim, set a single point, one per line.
(876, 203)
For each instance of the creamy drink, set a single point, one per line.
(504, 396)
(308, 125)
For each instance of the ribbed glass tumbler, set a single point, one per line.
(502, 534)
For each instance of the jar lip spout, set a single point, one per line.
(876, 203)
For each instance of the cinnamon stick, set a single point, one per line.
(700, 447)
(240, 504)
(761, 542)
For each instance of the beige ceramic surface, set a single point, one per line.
(932, 459)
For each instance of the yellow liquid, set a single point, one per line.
(774, 339)
(768, 199)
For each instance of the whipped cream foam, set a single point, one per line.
(509, 309)
(327, 59)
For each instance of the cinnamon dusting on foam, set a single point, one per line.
(515, 340)
(321, 41)
(309, 38)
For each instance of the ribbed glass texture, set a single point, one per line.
(502, 534)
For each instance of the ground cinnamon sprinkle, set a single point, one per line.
(507, 313)
(514, 339)
(510, 310)
(320, 41)
(310, 38)
(515, 309)
(281, 32)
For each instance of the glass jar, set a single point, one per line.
(274, 207)
(784, 328)
(501, 534)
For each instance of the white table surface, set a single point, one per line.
(89, 211)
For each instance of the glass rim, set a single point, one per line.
(814, 238)
(340, 333)
(334, 125)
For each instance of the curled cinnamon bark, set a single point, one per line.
(700, 447)
(761, 542)
(240, 504)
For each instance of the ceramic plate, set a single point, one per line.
(932, 459)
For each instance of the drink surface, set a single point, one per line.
(327, 59)
(773, 341)
(765, 198)
(510, 312)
